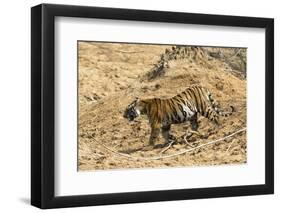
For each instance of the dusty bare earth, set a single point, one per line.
(112, 75)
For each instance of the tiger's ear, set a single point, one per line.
(136, 100)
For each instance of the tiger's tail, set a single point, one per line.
(219, 111)
(225, 113)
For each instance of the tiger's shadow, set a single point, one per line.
(143, 148)
(193, 141)
(131, 150)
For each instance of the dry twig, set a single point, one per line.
(172, 155)
(168, 147)
(230, 145)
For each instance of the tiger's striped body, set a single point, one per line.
(184, 107)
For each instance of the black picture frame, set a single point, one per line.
(43, 102)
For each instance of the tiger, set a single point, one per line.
(183, 107)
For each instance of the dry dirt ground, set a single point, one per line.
(111, 75)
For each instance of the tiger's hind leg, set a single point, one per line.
(213, 116)
(194, 130)
(194, 127)
(194, 123)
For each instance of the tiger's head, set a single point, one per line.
(134, 109)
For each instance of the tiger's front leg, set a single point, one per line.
(155, 130)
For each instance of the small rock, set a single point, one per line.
(219, 86)
(157, 86)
